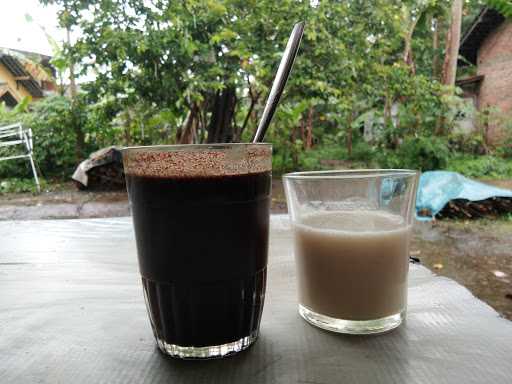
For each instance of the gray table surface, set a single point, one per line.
(72, 311)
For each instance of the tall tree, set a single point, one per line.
(452, 44)
(205, 66)
(68, 13)
(210, 62)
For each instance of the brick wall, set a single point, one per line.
(495, 63)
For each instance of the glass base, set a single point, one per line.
(353, 327)
(209, 352)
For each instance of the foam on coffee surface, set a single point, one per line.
(206, 162)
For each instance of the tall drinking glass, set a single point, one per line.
(351, 232)
(201, 218)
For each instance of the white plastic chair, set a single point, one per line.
(16, 134)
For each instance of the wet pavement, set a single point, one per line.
(477, 254)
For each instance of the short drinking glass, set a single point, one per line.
(201, 218)
(351, 243)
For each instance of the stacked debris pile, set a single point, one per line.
(449, 195)
(102, 171)
(465, 209)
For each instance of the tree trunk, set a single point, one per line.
(80, 142)
(127, 135)
(388, 104)
(349, 134)
(452, 44)
(302, 132)
(294, 151)
(72, 83)
(408, 57)
(188, 133)
(62, 86)
(485, 132)
(203, 109)
(435, 47)
(220, 129)
(309, 129)
(238, 134)
(80, 136)
(451, 55)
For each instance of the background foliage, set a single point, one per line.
(51, 120)
(365, 88)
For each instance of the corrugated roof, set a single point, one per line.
(17, 69)
(487, 21)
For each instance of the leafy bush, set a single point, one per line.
(421, 153)
(52, 120)
(328, 156)
(481, 167)
(473, 144)
(54, 138)
(363, 152)
(317, 158)
(505, 150)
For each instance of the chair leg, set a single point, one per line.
(34, 172)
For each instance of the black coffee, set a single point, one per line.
(202, 245)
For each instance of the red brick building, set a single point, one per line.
(488, 44)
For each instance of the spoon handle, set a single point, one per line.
(283, 72)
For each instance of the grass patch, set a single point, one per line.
(490, 167)
(17, 185)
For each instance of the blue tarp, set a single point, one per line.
(437, 188)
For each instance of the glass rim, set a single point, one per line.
(350, 174)
(177, 147)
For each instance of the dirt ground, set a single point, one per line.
(65, 204)
(477, 254)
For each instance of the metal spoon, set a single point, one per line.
(283, 72)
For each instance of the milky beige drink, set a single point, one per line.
(352, 265)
